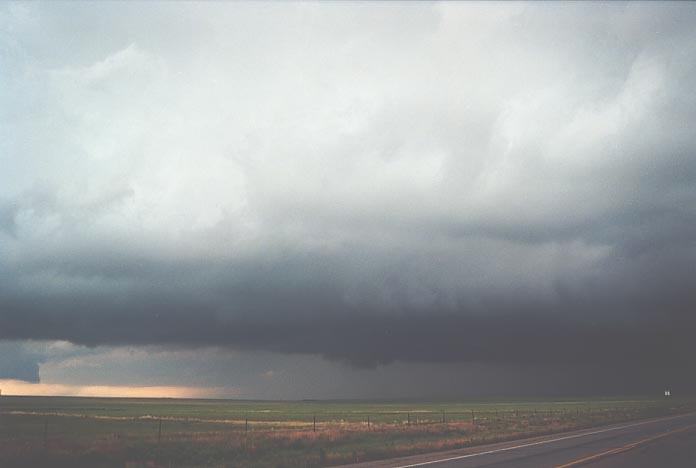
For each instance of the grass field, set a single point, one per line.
(61, 431)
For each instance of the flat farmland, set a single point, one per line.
(71, 431)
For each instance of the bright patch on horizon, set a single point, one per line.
(21, 388)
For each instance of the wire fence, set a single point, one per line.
(47, 423)
(250, 434)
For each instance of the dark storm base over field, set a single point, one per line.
(367, 192)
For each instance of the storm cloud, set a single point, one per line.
(374, 184)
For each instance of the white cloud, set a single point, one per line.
(392, 156)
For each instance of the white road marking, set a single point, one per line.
(531, 444)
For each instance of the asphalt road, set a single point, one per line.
(664, 442)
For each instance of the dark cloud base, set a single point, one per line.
(16, 363)
(363, 340)
(633, 318)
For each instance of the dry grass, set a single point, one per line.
(84, 440)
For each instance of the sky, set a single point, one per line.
(347, 200)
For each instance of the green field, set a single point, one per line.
(62, 431)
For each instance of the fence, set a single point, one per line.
(251, 434)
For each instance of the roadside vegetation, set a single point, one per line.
(42, 431)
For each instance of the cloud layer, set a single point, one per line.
(422, 183)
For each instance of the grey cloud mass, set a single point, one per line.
(384, 185)
(18, 363)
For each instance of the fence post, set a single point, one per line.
(473, 419)
(443, 416)
(408, 418)
(368, 421)
(246, 424)
(159, 431)
(314, 423)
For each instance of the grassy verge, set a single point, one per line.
(118, 432)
